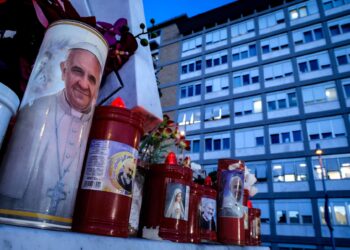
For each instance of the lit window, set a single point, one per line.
(257, 106)
(294, 14)
(345, 170)
(289, 178)
(331, 94)
(340, 215)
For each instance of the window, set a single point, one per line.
(281, 100)
(189, 90)
(339, 26)
(346, 86)
(336, 167)
(189, 116)
(216, 84)
(217, 143)
(216, 59)
(192, 44)
(271, 21)
(330, 4)
(275, 43)
(343, 58)
(216, 36)
(307, 219)
(324, 92)
(191, 66)
(259, 169)
(281, 217)
(243, 52)
(298, 13)
(340, 215)
(195, 145)
(242, 28)
(249, 138)
(247, 77)
(278, 71)
(302, 10)
(318, 127)
(217, 112)
(293, 217)
(313, 62)
(289, 170)
(247, 106)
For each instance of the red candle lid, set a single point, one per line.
(171, 159)
(118, 102)
(208, 181)
(249, 204)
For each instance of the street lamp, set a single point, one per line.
(319, 153)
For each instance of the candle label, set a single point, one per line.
(110, 167)
(231, 194)
(208, 214)
(177, 201)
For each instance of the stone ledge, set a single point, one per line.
(23, 238)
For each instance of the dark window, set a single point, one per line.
(334, 30)
(216, 61)
(244, 54)
(183, 92)
(307, 219)
(195, 146)
(345, 28)
(308, 36)
(259, 141)
(282, 103)
(281, 217)
(342, 60)
(286, 137)
(338, 3)
(326, 135)
(208, 63)
(255, 79)
(198, 65)
(217, 144)
(226, 143)
(318, 33)
(303, 67)
(197, 89)
(190, 91)
(184, 69)
(235, 57)
(224, 59)
(347, 90)
(252, 50)
(294, 217)
(328, 5)
(248, 112)
(238, 113)
(208, 144)
(265, 49)
(246, 79)
(296, 135)
(292, 99)
(275, 139)
(209, 89)
(191, 67)
(271, 105)
(314, 136)
(314, 65)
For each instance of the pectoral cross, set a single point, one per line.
(56, 194)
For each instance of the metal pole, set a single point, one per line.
(328, 221)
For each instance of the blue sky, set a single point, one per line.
(164, 10)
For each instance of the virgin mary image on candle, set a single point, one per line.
(176, 203)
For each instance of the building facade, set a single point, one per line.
(265, 82)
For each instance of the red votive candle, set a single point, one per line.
(105, 194)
